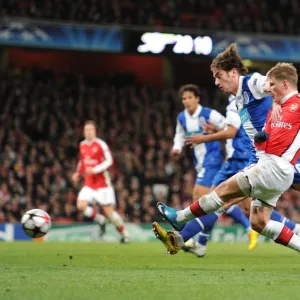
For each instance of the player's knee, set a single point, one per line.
(223, 189)
(247, 206)
(258, 224)
(243, 183)
(82, 205)
(107, 210)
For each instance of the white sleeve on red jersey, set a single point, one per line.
(108, 161)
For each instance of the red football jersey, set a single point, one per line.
(95, 154)
(284, 140)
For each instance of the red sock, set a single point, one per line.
(196, 209)
(285, 236)
(121, 228)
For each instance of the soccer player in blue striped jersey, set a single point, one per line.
(208, 157)
(238, 152)
(253, 104)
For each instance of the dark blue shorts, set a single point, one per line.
(229, 168)
(206, 175)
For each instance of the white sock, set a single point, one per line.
(272, 229)
(282, 235)
(297, 229)
(89, 211)
(117, 220)
(179, 240)
(294, 242)
(209, 204)
(185, 215)
(100, 219)
(219, 212)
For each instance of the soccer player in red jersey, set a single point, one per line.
(95, 159)
(264, 181)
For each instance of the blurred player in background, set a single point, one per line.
(95, 159)
(208, 159)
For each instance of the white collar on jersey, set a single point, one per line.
(239, 91)
(196, 113)
(89, 142)
(288, 96)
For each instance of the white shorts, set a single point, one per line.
(103, 196)
(269, 178)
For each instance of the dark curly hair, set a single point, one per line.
(189, 88)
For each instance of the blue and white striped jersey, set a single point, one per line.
(206, 154)
(240, 146)
(253, 105)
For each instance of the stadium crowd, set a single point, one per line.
(266, 16)
(41, 120)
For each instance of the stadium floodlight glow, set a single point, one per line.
(156, 42)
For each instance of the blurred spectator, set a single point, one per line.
(266, 16)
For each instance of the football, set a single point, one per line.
(36, 223)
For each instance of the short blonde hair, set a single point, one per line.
(284, 71)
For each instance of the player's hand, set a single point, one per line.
(75, 177)
(195, 139)
(175, 154)
(89, 170)
(209, 128)
(276, 112)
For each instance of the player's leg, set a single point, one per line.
(199, 190)
(203, 226)
(276, 216)
(238, 215)
(261, 222)
(106, 198)
(85, 198)
(257, 180)
(204, 182)
(253, 235)
(117, 221)
(202, 187)
(229, 169)
(174, 241)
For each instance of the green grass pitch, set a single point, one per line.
(70, 271)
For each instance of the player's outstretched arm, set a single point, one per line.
(228, 133)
